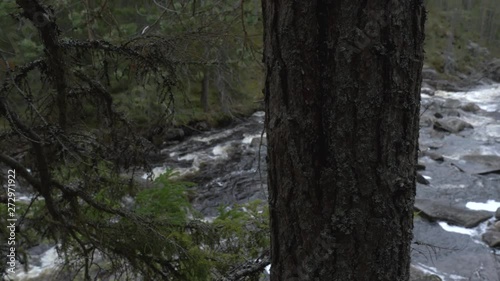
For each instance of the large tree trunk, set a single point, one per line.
(342, 108)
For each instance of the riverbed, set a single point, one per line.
(461, 170)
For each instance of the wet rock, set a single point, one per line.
(497, 214)
(447, 85)
(416, 274)
(479, 164)
(496, 225)
(420, 167)
(427, 121)
(438, 134)
(174, 134)
(434, 145)
(492, 238)
(452, 113)
(422, 180)
(429, 73)
(444, 211)
(453, 256)
(438, 115)
(451, 103)
(451, 124)
(470, 107)
(427, 91)
(433, 155)
(202, 126)
(426, 85)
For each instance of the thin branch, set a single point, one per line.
(249, 268)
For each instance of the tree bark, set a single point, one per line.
(342, 99)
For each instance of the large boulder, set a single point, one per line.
(479, 164)
(451, 124)
(470, 107)
(444, 211)
(451, 255)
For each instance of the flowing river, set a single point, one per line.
(461, 163)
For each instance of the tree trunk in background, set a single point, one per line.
(43, 19)
(220, 81)
(466, 4)
(444, 4)
(449, 57)
(342, 107)
(204, 91)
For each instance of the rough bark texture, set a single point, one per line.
(342, 107)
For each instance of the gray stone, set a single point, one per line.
(174, 134)
(453, 113)
(444, 211)
(496, 225)
(452, 255)
(433, 155)
(420, 167)
(427, 91)
(427, 121)
(497, 214)
(434, 145)
(451, 124)
(429, 73)
(416, 274)
(256, 142)
(202, 126)
(422, 180)
(451, 103)
(447, 85)
(492, 238)
(479, 164)
(470, 107)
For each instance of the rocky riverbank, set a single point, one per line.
(456, 233)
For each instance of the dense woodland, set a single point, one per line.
(91, 88)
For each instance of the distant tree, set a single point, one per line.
(342, 100)
(205, 90)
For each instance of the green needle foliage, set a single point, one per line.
(82, 95)
(166, 200)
